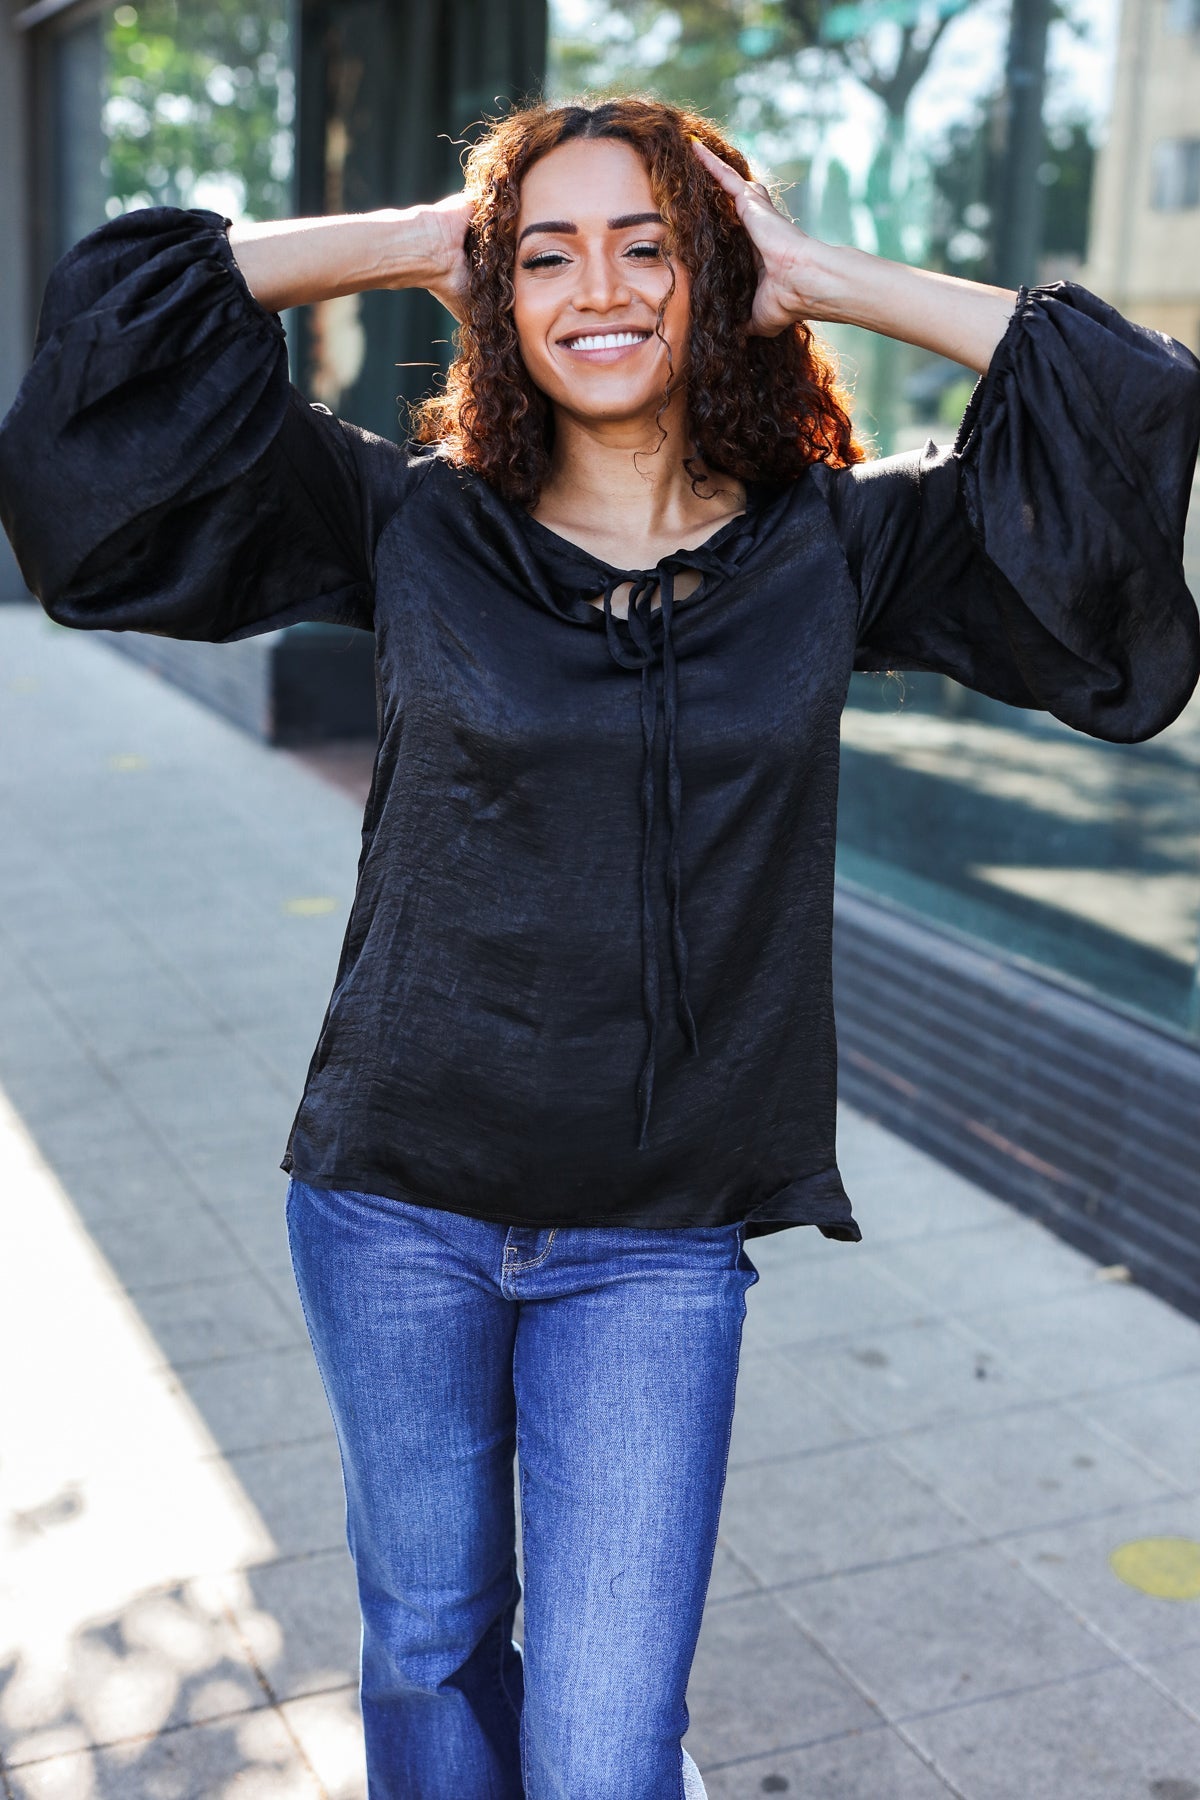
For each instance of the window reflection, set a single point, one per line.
(1183, 16)
(1176, 174)
(166, 102)
(888, 125)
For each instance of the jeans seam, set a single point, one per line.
(523, 1728)
(514, 1268)
(503, 1636)
(737, 1363)
(502, 1646)
(312, 1344)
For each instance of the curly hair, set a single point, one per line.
(759, 409)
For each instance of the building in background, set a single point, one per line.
(1144, 254)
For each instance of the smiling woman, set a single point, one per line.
(580, 1046)
(603, 314)
(649, 248)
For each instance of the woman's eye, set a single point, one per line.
(554, 259)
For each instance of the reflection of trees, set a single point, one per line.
(889, 64)
(1074, 852)
(965, 176)
(200, 94)
(705, 51)
(699, 50)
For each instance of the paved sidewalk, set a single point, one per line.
(960, 1549)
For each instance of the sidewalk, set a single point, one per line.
(958, 1445)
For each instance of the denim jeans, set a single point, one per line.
(603, 1358)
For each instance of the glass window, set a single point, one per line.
(1007, 141)
(1176, 174)
(166, 102)
(1183, 16)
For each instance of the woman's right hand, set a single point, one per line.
(447, 221)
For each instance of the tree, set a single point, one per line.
(709, 53)
(963, 170)
(195, 93)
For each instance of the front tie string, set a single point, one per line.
(642, 658)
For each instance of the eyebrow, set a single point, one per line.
(564, 226)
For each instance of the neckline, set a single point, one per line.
(755, 493)
(564, 577)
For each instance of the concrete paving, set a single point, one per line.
(960, 1546)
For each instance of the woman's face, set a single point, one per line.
(589, 278)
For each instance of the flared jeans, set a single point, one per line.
(604, 1359)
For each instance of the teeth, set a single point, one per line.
(608, 340)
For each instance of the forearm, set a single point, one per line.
(289, 262)
(963, 320)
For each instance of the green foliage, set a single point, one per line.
(197, 88)
(689, 54)
(952, 401)
(1066, 173)
(964, 174)
(835, 225)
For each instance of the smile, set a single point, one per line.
(605, 340)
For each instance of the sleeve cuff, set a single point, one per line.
(224, 250)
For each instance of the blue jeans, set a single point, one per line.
(603, 1358)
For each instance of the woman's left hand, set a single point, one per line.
(782, 251)
(800, 277)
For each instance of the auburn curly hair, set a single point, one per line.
(759, 409)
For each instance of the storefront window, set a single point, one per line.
(165, 102)
(906, 127)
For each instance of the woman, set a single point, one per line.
(580, 1044)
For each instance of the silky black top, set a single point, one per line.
(586, 977)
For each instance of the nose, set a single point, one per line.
(600, 285)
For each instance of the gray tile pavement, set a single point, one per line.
(1031, 1465)
(257, 1401)
(312, 1600)
(935, 1631)
(761, 1684)
(1178, 1673)
(918, 1373)
(248, 1753)
(1072, 1563)
(960, 1545)
(1157, 1418)
(1089, 1737)
(1107, 1336)
(191, 1666)
(843, 1507)
(199, 1320)
(858, 1765)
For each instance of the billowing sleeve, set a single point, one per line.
(159, 472)
(1039, 559)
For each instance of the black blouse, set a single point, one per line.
(586, 977)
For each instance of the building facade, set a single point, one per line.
(1144, 253)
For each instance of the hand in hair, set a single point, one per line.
(447, 222)
(801, 278)
(781, 249)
